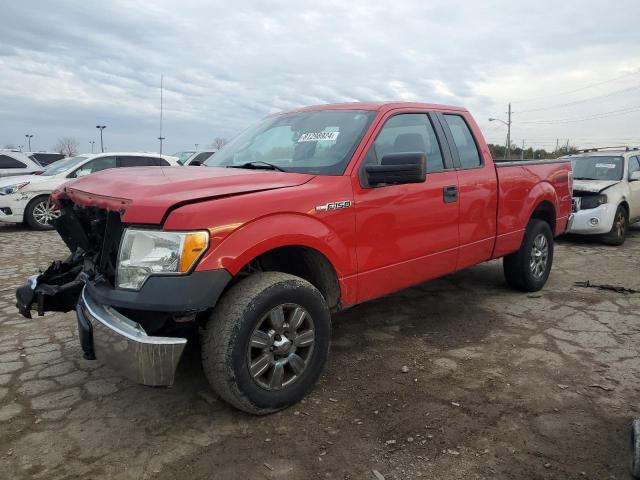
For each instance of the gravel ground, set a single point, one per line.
(459, 378)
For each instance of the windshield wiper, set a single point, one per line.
(257, 165)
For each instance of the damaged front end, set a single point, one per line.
(92, 235)
(105, 331)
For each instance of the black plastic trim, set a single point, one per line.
(186, 293)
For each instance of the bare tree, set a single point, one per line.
(67, 146)
(9, 146)
(219, 142)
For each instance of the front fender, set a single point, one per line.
(280, 230)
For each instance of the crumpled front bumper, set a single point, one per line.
(124, 345)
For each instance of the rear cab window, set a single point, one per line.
(464, 142)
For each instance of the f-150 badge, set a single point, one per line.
(334, 205)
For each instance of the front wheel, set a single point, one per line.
(40, 213)
(267, 341)
(528, 269)
(618, 232)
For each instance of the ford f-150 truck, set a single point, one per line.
(306, 213)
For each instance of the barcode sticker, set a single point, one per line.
(318, 136)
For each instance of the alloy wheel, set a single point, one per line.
(280, 346)
(45, 212)
(539, 255)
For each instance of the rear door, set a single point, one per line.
(478, 186)
(407, 233)
(634, 189)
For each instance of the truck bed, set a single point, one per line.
(519, 183)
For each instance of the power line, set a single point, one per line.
(578, 89)
(612, 113)
(577, 102)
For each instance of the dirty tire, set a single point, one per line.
(635, 448)
(518, 270)
(618, 232)
(227, 336)
(31, 211)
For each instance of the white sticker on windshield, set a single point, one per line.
(605, 165)
(318, 136)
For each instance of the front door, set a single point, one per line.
(406, 233)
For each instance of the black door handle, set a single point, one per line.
(450, 194)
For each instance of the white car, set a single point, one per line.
(197, 158)
(26, 198)
(14, 163)
(606, 193)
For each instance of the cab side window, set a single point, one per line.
(94, 166)
(634, 165)
(407, 133)
(465, 144)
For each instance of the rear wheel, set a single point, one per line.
(40, 213)
(528, 269)
(267, 342)
(618, 232)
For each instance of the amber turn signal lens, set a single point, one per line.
(194, 245)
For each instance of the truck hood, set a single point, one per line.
(593, 186)
(145, 194)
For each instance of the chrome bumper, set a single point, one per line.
(125, 346)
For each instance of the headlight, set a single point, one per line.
(154, 252)
(9, 189)
(592, 201)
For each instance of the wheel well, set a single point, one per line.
(303, 262)
(626, 206)
(546, 212)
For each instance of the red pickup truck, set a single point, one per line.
(306, 213)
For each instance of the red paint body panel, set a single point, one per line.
(391, 237)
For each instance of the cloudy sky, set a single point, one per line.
(570, 68)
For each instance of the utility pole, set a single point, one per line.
(507, 150)
(29, 137)
(567, 146)
(161, 138)
(557, 144)
(522, 150)
(92, 142)
(509, 132)
(101, 128)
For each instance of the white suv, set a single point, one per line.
(26, 198)
(14, 163)
(606, 193)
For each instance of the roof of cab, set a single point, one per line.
(378, 106)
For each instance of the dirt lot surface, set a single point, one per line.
(458, 378)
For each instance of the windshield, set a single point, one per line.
(182, 156)
(63, 165)
(597, 168)
(320, 142)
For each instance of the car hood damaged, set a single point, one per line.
(152, 192)
(593, 186)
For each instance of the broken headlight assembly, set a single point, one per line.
(9, 189)
(144, 253)
(592, 201)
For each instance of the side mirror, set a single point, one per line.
(195, 163)
(635, 176)
(397, 168)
